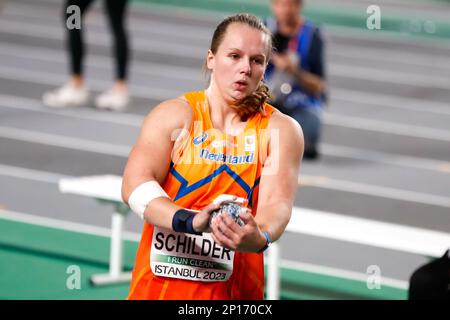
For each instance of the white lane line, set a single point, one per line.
(373, 190)
(403, 57)
(385, 158)
(391, 101)
(303, 181)
(31, 174)
(386, 127)
(22, 103)
(96, 38)
(65, 142)
(136, 24)
(54, 79)
(391, 38)
(64, 225)
(96, 61)
(152, 45)
(341, 273)
(163, 94)
(389, 76)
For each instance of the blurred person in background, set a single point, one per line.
(75, 92)
(296, 73)
(198, 147)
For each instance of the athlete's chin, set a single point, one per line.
(238, 95)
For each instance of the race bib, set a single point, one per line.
(189, 257)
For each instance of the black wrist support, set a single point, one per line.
(182, 222)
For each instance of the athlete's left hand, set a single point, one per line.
(230, 235)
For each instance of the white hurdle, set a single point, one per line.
(105, 189)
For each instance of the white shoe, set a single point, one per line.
(66, 96)
(112, 100)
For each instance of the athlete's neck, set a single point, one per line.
(223, 116)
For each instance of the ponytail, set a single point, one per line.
(253, 103)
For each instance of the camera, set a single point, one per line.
(280, 42)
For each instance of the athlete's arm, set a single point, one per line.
(279, 179)
(150, 158)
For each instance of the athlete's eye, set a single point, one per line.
(234, 56)
(258, 60)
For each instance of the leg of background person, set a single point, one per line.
(116, 14)
(117, 98)
(74, 42)
(74, 92)
(310, 121)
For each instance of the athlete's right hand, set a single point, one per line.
(201, 219)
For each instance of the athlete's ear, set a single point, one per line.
(210, 60)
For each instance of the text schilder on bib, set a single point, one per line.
(189, 257)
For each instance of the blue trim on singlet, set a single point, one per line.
(185, 189)
(250, 195)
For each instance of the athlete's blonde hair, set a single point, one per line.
(253, 103)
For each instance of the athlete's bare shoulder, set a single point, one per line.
(279, 120)
(289, 134)
(171, 114)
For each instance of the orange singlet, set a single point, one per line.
(207, 163)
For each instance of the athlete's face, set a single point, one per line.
(239, 64)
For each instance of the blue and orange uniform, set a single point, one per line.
(206, 164)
